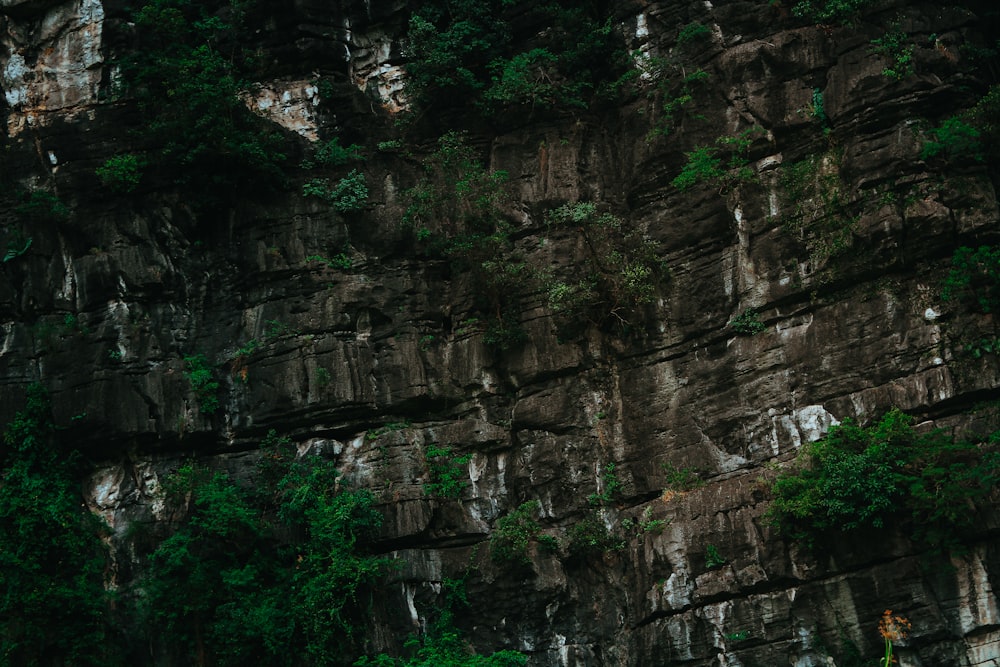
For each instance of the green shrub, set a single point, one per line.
(864, 477)
(682, 480)
(188, 78)
(256, 574)
(121, 173)
(613, 281)
(974, 278)
(893, 46)
(590, 536)
(514, 532)
(747, 323)
(16, 246)
(54, 608)
(462, 50)
(442, 646)
(956, 138)
(332, 154)
(611, 487)
(41, 206)
(693, 31)
(348, 194)
(448, 473)
(203, 384)
(840, 11)
(713, 558)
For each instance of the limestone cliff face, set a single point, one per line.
(107, 301)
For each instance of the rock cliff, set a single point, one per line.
(823, 227)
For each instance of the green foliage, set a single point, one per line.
(822, 215)
(17, 245)
(692, 32)
(442, 646)
(893, 46)
(591, 536)
(674, 90)
(614, 280)
(974, 278)
(514, 532)
(682, 480)
(448, 473)
(956, 138)
(342, 261)
(611, 487)
(230, 587)
(864, 477)
(121, 173)
(839, 11)
(462, 50)
(713, 558)
(348, 194)
(390, 427)
(41, 206)
(705, 164)
(456, 211)
(747, 323)
(332, 154)
(203, 384)
(53, 605)
(187, 79)
(818, 110)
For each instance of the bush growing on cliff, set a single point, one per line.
(886, 474)
(187, 77)
(461, 51)
(839, 11)
(54, 609)
(280, 574)
(615, 279)
(975, 278)
(121, 173)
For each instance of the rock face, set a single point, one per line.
(844, 274)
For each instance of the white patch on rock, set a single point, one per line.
(373, 72)
(290, 104)
(930, 314)
(641, 27)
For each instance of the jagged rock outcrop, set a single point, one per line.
(109, 299)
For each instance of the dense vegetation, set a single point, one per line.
(187, 74)
(507, 53)
(889, 475)
(52, 559)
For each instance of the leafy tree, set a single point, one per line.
(868, 477)
(278, 574)
(187, 76)
(53, 604)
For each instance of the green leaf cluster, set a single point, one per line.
(513, 534)
(348, 194)
(894, 45)
(203, 383)
(956, 138)
(974, 278)
(886, 474)
(462, 50)
(448, 473)
(829, 11)
(615, 275)
(747, 323)
(443, 646)
(54, 608)
(121, 173)
(456, 210)
(187, 77)
(280, 573)
(705, 163)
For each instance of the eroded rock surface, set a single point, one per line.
(397, 338)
